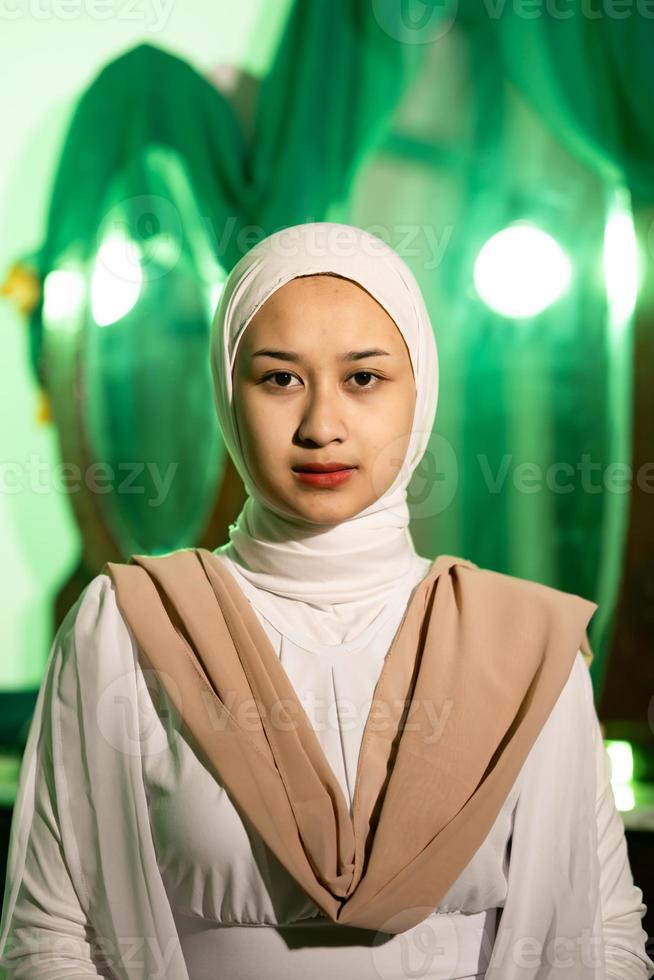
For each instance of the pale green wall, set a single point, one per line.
(49, 51)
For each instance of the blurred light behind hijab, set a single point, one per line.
(342, 575)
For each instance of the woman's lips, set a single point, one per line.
(329, 479)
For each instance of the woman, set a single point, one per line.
(384, 766)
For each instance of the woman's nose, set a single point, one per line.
(322, 419)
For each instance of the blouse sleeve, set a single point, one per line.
(44, 930)
(621, 900)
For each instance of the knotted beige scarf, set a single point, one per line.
(486, 654)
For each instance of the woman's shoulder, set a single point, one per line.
(94, 619)
(96, 599)
(525, 605)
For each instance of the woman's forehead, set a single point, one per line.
(291, 303)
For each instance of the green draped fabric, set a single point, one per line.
(585, 69)
(588, 71)
(434, 132)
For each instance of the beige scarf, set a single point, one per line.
(483, 654)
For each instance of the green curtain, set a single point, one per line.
(588, 72)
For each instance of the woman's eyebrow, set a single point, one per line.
(289, 355)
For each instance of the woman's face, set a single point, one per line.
(302, 397)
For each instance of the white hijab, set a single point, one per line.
(342, 574)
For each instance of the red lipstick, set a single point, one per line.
(324, 474)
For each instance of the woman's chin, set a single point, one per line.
(322, 507)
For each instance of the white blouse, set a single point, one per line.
(237, 912)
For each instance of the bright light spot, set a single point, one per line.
(521, 271)
(63, 294)
(621, 260)
(624, 797)
(622, 762)
(117, 280)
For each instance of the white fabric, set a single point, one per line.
(119, 832)
(320, 628)
(343, 573)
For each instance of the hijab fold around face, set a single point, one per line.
(341, 574)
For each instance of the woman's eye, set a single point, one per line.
(279, 374)
(365, 374)
(286, 377)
